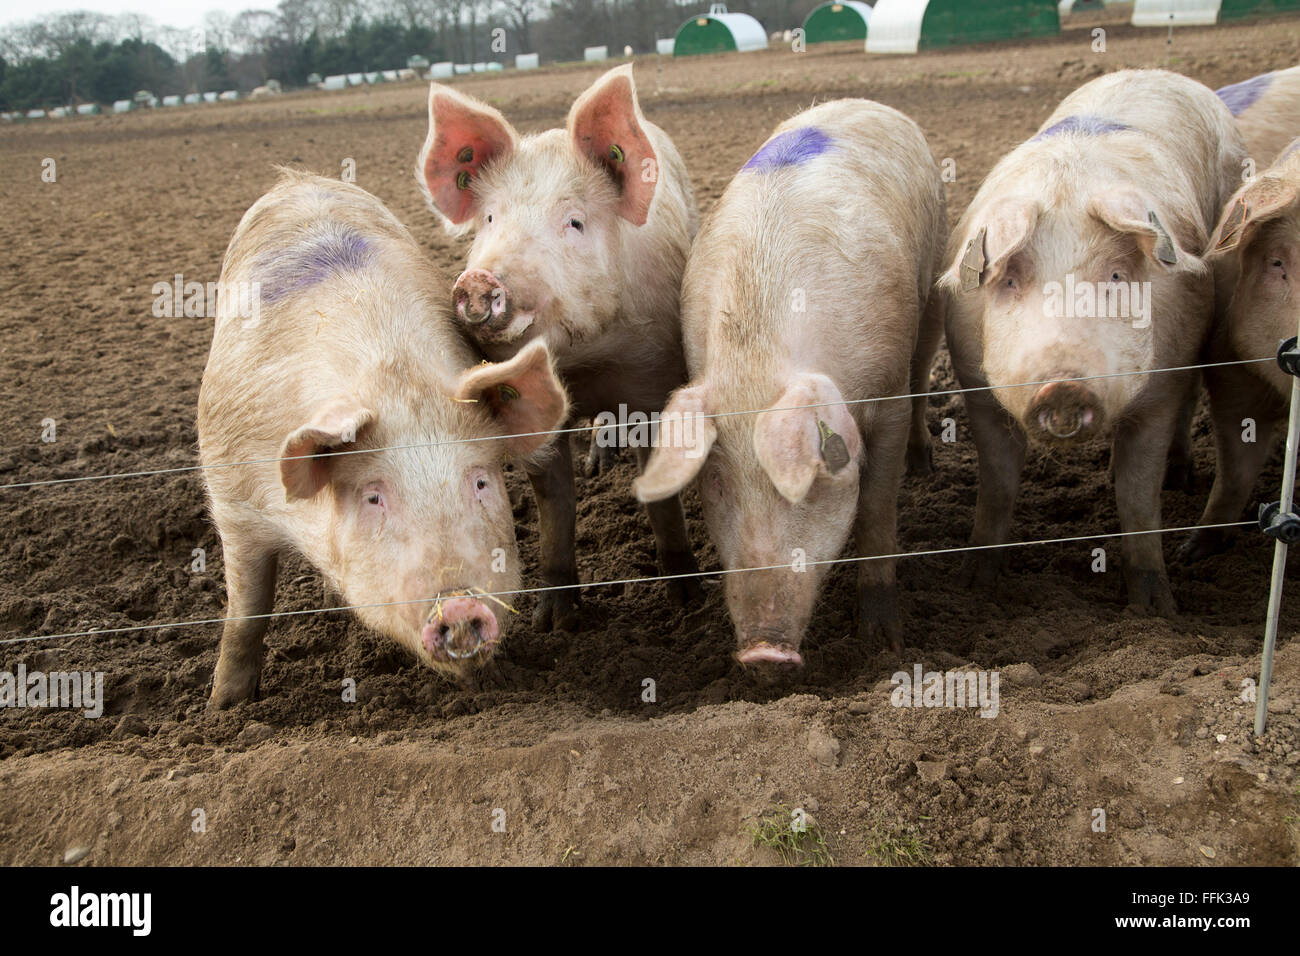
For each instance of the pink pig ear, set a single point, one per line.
(1130, 213)
(607, 127)
(1265, 198)
(464, 135)
(523, 395)
(796, 444)
(682, 443)
(1006, 229)
(335, 427)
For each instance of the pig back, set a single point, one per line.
(1188, 145)
(827, 243)
(323, 294)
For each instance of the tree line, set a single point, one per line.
(71, 58)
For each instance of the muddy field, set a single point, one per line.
(1140, 717)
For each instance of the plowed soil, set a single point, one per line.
(1139, 717)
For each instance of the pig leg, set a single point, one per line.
(672, 545)
(920, 451)
(250, 590)
(1000, 445)
(1141, 447)
(878, 619)
(1180, 474)
(1236, 394)
(557, 506)
(602, 454)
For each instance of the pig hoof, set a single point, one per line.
(920, 460)
(683, 592)
(1202, 543)
(556, 611)
(880, 626)
(1148, 592)
(599, 459)
(979, 569)
(1180, 476)
(234, 690)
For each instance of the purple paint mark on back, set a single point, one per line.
(790, 149)
(1242, 96)
(336, 250)
(1083, 125)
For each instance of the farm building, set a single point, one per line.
(719, 32)
(906, 26)
(838, 20)
(1159, 13)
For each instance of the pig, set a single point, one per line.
(369, 440)
(581, 236)
(1256, 256)
(1081, 255)
(1267, 109)
(806, 297)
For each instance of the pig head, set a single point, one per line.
(1074, 290)
(1258, 238)
(551, 212)
(779, 491)
(413, 526)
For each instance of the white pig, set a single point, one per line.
(1256, 254)
(581, 235)
(1081, 256)
(1267, 109)
(374, 442)
(807, 289)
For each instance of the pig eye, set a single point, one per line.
(481, 483)
(576, 224)
(373, 497)
(489, 217)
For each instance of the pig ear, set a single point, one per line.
(1002, 233)
(523, 395)
(1131, 214)
(683, 440)
(1251, 207)
(336, 426)
(464, 135)
(607, 127)
(796, 444)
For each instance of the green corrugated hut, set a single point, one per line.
(837, 20)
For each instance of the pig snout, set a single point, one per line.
(481, 298)
(459, 628)
(1064, 411)
(768, 647)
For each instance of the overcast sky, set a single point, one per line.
(172, 13)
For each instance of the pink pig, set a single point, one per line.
(806, 298)
(581, 235)
(373, 441)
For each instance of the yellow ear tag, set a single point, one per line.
(616, 153)
(462, 180)
(466, 155)
(508, 393)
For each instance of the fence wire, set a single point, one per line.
(183, 469)
(498, 595)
